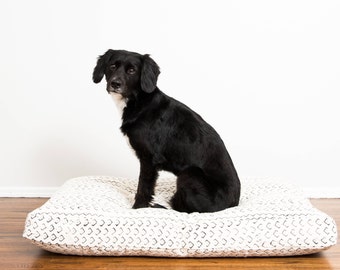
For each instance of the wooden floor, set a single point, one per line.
(18, 253)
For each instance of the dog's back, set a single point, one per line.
(178, 140)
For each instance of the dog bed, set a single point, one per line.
(93, 216)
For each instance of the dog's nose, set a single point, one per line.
(116, 83)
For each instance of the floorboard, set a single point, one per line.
(18, 253)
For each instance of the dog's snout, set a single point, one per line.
(116, 83)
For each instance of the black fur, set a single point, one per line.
(167, 135)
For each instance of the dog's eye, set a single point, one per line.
(131, 70)
(113, 67)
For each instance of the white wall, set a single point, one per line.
(265, 74)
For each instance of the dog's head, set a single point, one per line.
(126, 72)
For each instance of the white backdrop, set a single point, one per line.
(265, 74)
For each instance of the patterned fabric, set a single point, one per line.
(93, 216)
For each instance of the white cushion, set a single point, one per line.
(93, 216)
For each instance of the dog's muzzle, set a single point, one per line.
(115, 85)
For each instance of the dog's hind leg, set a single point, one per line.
(193, 194)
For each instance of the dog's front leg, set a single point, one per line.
(146, 185)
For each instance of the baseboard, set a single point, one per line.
(45, 192)
(36, 192)
(322, 193)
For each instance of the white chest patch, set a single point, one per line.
(120, 102)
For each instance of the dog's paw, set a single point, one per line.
(159, 202)
(140, 205)
(156, 202)
(156, 205)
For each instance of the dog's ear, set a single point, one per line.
(99, 70)
(149, 74)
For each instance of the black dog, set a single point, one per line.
(167, 135)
